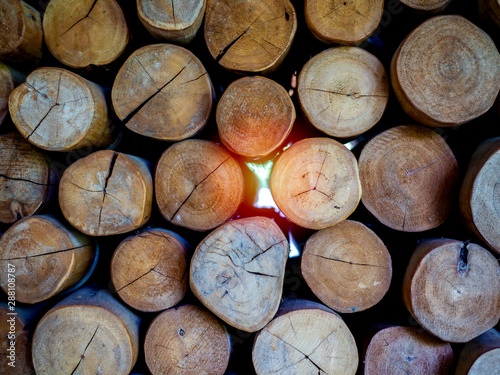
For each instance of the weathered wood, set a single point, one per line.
(452, 289)
(480, 356)
(348, 22)
(89, 332)
(9, 78)
(407, 350)
(149, 270)
(409, 177)
(305, 338)
(198, 185)
(343, 91)
(106, 193)
(177, 21)
(250, 37)
(48, 257)
(347, 267)
(490, 10)
(315, 183)
(163, 91)
(426, 6)
(83, 33)
(446, 72)
(237, 271)
(186, 340)
(58, 110)
(254, 116)
(480, 194)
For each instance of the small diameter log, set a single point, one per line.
(305, 338)
(480, 194)
(198, 185)
(177, 21)
(163, 91)
(407, 350)
(186, 340)
(89, 332)
(48, 257)
(149, 270)
(250, 37)
(21, 27)
(315, 183)
(254, 116)
(349, 22)
(409, 177)
(446, 72)
(490, 10)
(343, 91)
(9, 79)
(107, 193)
(25, 178)
(237, 271)
(58, 110)
(426, 6)
(480, 356)
(82, 33)
(452, 289)
(347, 267)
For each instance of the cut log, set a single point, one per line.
(47, 256)
(452, 289)
(237, 271)
(89, 332)
(345, 22)
(25, 177)
(315, 183)
(446, 72)
(347, 267)
(82, 33)
(22, 35)
(9, 79)
(186, 340)
(409, 177)
(305, 338)
(490, 10)
(408, 350)
(480, 356)
(198, 185)
(254, 116)
(163, 91)
(250, 37)
(426, 6)
(177, 21)
(57, 110)
(480, 194)
(106, 193)
(149, 270)
(343, 91)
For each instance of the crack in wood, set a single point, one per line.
(48, 253)
(81, 19)
(110, 172)
(24, 180)
(347, 262)
(228, 46)
(83, 354)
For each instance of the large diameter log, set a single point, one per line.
(177, 21)
(315, 183)
(9, 79)
(106, 193)
(58, 110)
(250, 37)
(163, 91)
(82, 33)
(149, 270)
(254, 116)
(409, 177)
(347, 22)
(347, 267)
(407, 350)
(343, 91)
(25, 178)
(305, 338)
(199, 185)
(47, 256)
(452, 289)
(446, 72)
(186, 340)
(21, 27)
(237, 271)
(426, 6)
(89, 332)
(480, 194)
(480, 356)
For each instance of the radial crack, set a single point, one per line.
(347, 262)
(22, 179)
(110, 172)
(49, 253)
(228, 47)
(84, 350)
(428, 164)
(81, 19)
